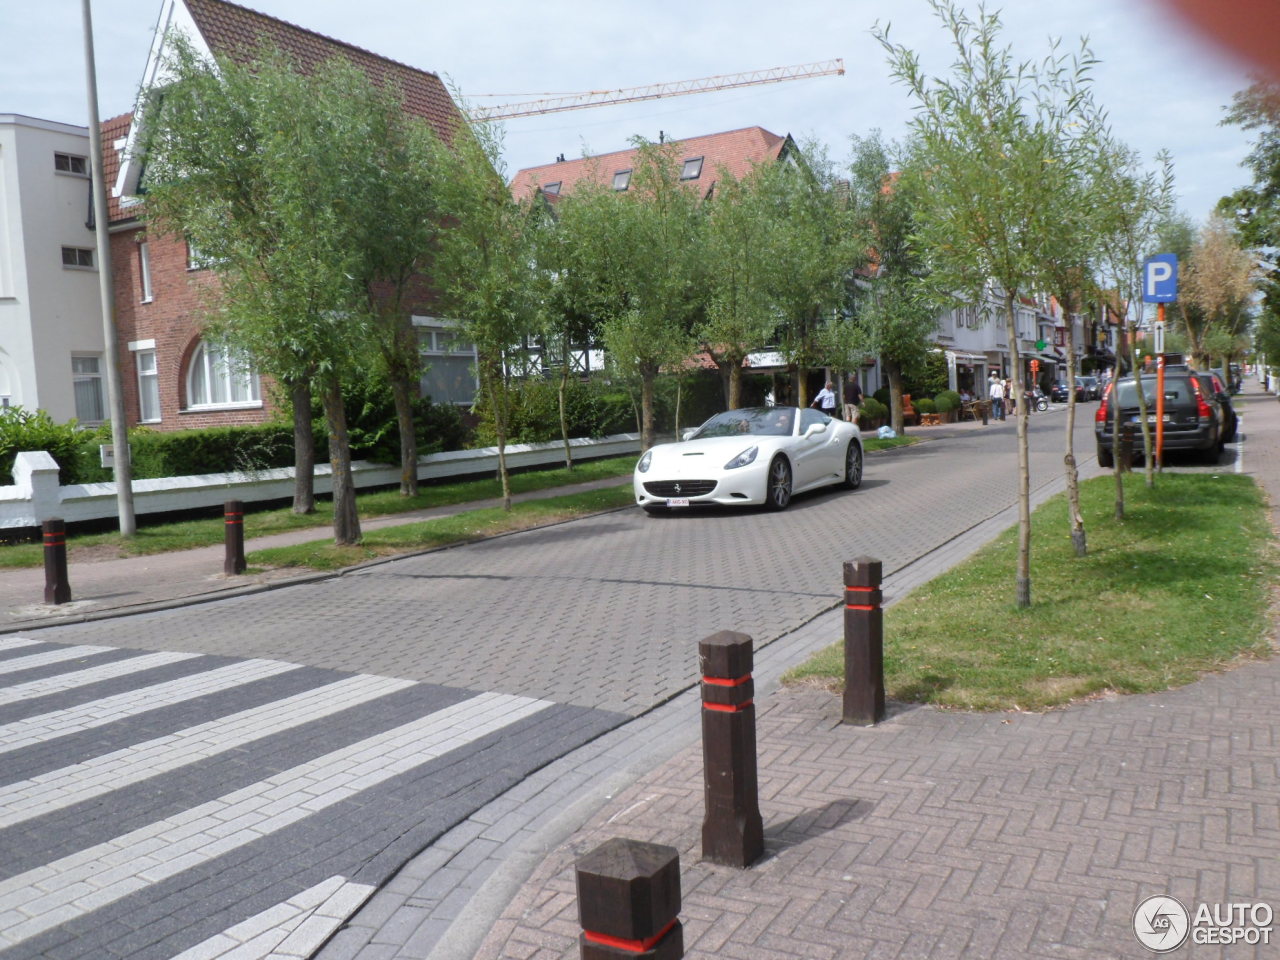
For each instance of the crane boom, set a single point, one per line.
(655, 91)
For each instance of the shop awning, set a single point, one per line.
(959, 356)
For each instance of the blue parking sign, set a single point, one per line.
(1160, 278)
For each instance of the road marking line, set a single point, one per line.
(52, 656)
(78, 884)
(16, 642)
(86, 716)
(26, 799)
(81, 678)
(295, 928)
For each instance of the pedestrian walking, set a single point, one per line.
(852, 400)
(995, 391)
(826, 400)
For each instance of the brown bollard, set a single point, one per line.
(57, 588)
(629, 901)
(732, 833)
(863, 643)
(233, 515)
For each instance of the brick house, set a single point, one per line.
(172, 379)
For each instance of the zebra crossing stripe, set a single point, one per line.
(16, 642)
(61, 723)
(293, 929)
(100, 775)
(81, 678)
(51, 656)
(72, 886)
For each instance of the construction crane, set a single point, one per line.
(655, 91)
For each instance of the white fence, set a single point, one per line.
(36, 495)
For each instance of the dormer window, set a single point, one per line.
(552, 188)
(622, 180)
(692, 169)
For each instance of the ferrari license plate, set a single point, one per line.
(678, 502)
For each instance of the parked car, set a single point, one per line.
(1213, 383)
(755, 455)
(1193, 418)
(1058, 392)
(1088, 388)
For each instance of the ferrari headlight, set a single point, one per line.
(643, 465)
(742, 459)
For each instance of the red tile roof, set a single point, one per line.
(735, 151)
(235, 31)
(117, 128)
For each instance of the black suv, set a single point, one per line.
(1192, 417)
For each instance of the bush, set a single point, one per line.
(183, 453)
(924, 405)
(23, 430)
(882, 397)
(947, 401)
(872, 409)
(374, 433)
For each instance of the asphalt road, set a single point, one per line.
(170, 777)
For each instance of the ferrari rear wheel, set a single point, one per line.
(853, 466)
(779, 492)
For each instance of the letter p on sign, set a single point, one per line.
(1160, 279)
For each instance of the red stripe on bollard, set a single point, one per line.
(634, 946)
(725, 682)
(727, 707)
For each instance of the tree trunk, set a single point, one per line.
(494, 381)
(1148, 442)
(346, 521)
(304, 448)
(402, 391)
(1022, 583)
(562, 396)
(1117, 466)
(647, 376)
(1078, 537)
(802, 386)
(735, 385)
(893, 370)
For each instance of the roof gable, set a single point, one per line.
(219, 28)
(735, 151)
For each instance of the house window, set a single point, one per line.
(144, 270)
(622, 180)
(70, 163)
(79, 257)
(197, 259)
(86, 384)
(448, 365)
(148, 386)
(692, 169)
(552, 188)
(217, 377)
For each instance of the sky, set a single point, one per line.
(1163, 86)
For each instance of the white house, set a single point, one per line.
(51, 342)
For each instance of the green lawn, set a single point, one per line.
(163, 537)
(1179, 587)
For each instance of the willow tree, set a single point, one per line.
(893, 301)
(982, 137)
(1134, 202)
(635, 258)
(254, 164)
(483, 265)
(1219, 280)
(739, 316)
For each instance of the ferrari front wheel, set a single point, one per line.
(779, 492)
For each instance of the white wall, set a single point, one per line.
(47, 311)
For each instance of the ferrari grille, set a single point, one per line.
(679, 488)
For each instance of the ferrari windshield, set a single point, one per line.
(749, 421)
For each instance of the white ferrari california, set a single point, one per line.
(755, 455)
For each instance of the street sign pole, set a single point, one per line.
(1160, 387)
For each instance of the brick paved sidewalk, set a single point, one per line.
(947, 834)
(114, 587)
